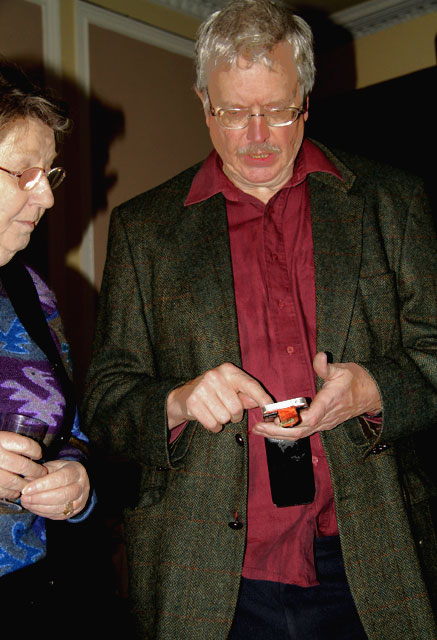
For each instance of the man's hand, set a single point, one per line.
(348, 391)
(216, 397)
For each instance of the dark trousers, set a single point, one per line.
(275, 611)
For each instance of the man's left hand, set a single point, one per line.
(348, 391)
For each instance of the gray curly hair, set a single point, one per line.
(252, 28)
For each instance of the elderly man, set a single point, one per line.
(229, 288)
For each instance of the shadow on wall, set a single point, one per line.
(84, 153)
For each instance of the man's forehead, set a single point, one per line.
(278, 59)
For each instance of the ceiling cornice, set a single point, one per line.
(360, 20)
(374, 15)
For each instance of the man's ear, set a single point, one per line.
(204, 100)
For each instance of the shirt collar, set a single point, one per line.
(210, 179)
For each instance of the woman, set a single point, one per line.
(33, 381)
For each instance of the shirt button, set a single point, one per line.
(239, 439)
(281, 304)
(290, 350)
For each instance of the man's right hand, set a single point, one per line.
(216, 397)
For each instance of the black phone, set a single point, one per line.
(290, 463)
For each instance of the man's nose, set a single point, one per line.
(258, 129)
(42, 194)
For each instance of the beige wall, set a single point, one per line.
(20, 31)
(163, 129)
(394, 52)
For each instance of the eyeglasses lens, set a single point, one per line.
(29, 178)
(55, 177)
(233, 119)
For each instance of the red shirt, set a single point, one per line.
(273, 268)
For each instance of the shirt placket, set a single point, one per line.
(280, 295)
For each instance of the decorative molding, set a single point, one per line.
(91, 14)
(86, 15)
(375, 15)
(362, 19)
(51, 33)
(197, 8)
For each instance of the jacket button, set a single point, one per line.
(379, 448)
(239, 438)
(235, 524)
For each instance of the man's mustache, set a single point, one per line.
(257, 149)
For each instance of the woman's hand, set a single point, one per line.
(17, 466)
(61, 494)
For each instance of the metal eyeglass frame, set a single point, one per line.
(216, 114)
(56, 171)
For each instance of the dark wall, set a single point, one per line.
(393, 121)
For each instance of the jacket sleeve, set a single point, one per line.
(406, 373)
(125, 400)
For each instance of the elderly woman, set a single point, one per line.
(49, 481)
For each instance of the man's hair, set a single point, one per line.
(20, 98)
(252, 28)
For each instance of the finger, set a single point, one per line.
(39, 471)
(50, 481)
(250, 403)
(53, 497)
(59, 504)
(320, 365)
(20, 465)
(318, 410)
(248, 387)
(210, 412)
(232, 404)
(56, 511)
(11, 486)
(214, 402)
(273, 430)
(18, 444)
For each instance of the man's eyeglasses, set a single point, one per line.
(239, 118)
(29, 178)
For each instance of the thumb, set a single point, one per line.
(321, 365)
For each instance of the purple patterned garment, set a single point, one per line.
(28, 386)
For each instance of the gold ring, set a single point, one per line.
(68, 509)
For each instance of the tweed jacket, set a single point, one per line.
(167, 314)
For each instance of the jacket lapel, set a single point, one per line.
(214, 264)
(337, 236)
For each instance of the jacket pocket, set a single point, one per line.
(379, 306)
